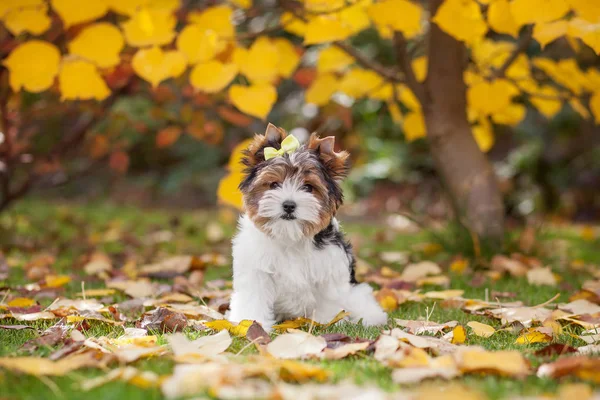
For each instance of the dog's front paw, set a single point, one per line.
(376, 318)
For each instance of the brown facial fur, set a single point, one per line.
(315, 163)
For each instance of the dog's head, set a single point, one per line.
(292, 195)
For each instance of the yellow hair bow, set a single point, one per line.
(289, 145)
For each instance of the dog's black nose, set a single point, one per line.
(289, 206)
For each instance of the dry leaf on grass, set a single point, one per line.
(143, 379)
(257, 334)
(580, 307)
(414, 272)
(541, 276)
(430, 327)
(505, 363)
(240, 329)
(44, 367)
(344, 351)
(583, 367)
(190, 379)
(418, 374)
(306, 322)
(296, 344)
(534, 335)
(459, 335)
(482, 330)
(203, 346)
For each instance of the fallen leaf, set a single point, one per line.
(163, 320)
(296, 344)
(541, 276)
(533, 336)
(459, 335)
(344, 351)
(50, 337)
(42, 366)
(420, 327)
(203, 346)
(555, 349)
(583, 367)
(240, 329)
(417, 374)
(482, 330)
(505, 363)
(257, 334)
(143, 379)
(414, 272)
(16, 327)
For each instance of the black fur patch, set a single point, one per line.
(331, 236)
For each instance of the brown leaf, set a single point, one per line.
(164, 320)
(234, 117)
(582, 366)
(555, 349)
(505, 264)
(257, 334)
(50, 337)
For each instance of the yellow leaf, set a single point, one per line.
(414, 126)
(511, 115)
(384, 92)
(506, 363)
(419, 66)
(33, 66)
(533, 336)
(149, 27)
(34, 20)
(459, 266)
(579, 108)
(595, 106)
(482, 330)
(260, 63)
(97, 293)
(501, 19)
(228, 192)
(155, 66)
(21, 302)
(217, 19)
(358, 82)
(57, 280)
(302, 321)
(126, 7)
(239, 329)
(323, 6)
(76, 11)
(197, 44)
(325, 28)
(459, 334)
(566, 72)
(355, 16)
(395, 112)
(245, 4)
(333, 59)
(100, 43)
(292, 24)
(548, 32)
(38, 366)
(237, 154)
(536, 11)
(588, 32)
(491, 97)
(389, 303)
(7, 6)
(484, 135)
(255, 100)
(407, 97)
(546, 100)
(213, 76)
(586, 9)
(321, 89)
(385, 15)
(461, 19)
(288, 57)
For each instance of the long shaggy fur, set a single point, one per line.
(290, 258)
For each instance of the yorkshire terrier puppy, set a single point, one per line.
(290, 258)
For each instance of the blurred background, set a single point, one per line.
(168, 144)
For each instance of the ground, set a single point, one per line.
(72, 232)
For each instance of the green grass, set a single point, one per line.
(72, 231)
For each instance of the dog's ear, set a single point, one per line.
(254, 155)
(336, 163)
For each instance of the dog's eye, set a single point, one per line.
(275, 185)
(307, 188)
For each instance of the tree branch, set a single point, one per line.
(521, 48)
(388, 73)
(403, 61)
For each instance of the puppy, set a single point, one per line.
(290, 258)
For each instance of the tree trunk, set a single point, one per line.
(467, 174)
